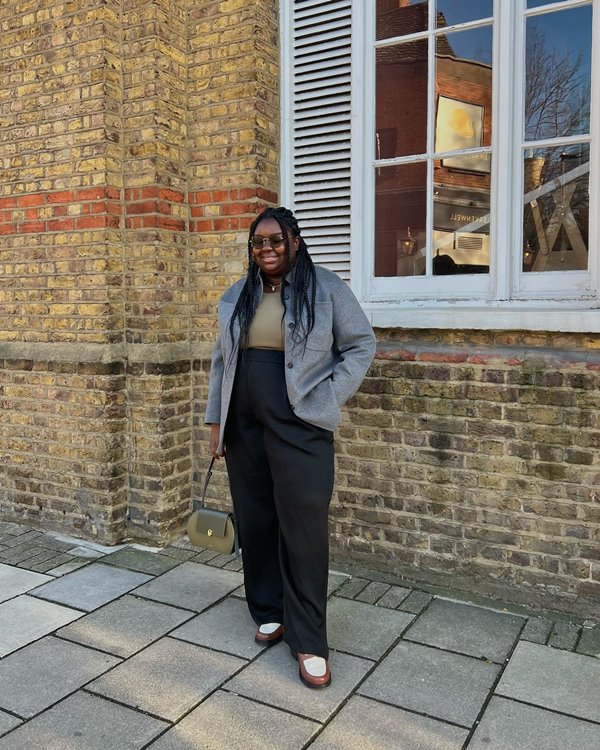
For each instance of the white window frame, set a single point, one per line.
(496, 302)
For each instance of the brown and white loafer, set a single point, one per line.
(313, 670)
(269, 634)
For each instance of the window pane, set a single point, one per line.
(401, 100)
(556, 215)
(400, 219)
(393, 20)
(450, 12)
(461, 236)
(464, 84)
(558, 78)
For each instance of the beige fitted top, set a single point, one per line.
(266, 330)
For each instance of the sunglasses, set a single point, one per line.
(274, 240)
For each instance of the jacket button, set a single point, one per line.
(291, 325)
(290, 365)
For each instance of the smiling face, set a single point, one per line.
(271, 260)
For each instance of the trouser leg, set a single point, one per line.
(252, 492)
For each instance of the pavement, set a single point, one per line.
(129, 647)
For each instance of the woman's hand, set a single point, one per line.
(215, 430)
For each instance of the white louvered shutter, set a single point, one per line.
(321, 128)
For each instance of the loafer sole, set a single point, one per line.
(269, 641)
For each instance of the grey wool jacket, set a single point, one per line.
(321, 376)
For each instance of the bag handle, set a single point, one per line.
(206, 481)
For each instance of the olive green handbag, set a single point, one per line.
(212, 529)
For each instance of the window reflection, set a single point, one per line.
(400, 17)
(450, 12)
(556, 216)
(400, 219)
(401, 86)
(558, 79)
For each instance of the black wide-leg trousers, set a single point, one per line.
(281, 476)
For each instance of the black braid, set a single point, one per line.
(303, 287)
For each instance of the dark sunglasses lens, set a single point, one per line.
(275, 240)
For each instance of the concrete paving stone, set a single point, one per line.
(226, 627)
(373, 592)
(67, 567)
(554, 679)
(564, 635)
(88, 552)
(334, 581)
(7, 722)
(9, 527)
(85, 722)
(25, 619)
(49, 542)
(236, 564)
(178, 553)
(183, 543)
(46, 671)
(589, 643)
(21, 537)
(416, 602)
(508, 724)
(240, 593)
(143, 562)
(393, 598)
(447, 686)
(231, 722)
(466, 629)
(205, 556)
(48, 565)
(192, 586)
(536, 630)
(15, 581)
(363, 629)
(221, 560)
(352, 587)
(92, 586)
(367, 725)
(168, 678)
(19, 553)
(125, 626)
(42, 556)
(272, 678)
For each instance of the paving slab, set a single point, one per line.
(192, 586)
(416, 602)
(168, 678)
(334, 581)
(85, 722)
(536, 630)
(272, 678)
(352, 587)
(125, 626)
(25, 619)
(564, 635)
(15, 581)
(143, 562)
(508, 724)
(589, 643)
(393, 598)
(367, 725)
(67, 567)
(7, 722)
(466, 629)
(373, 592)
(92, 586)
(363, 629)
(554, 679)
(447, 686)
(231, 722)
(225, 627)
(46, 671)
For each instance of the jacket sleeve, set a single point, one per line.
(213, 406)
(355, 343)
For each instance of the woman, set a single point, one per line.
(294, 345)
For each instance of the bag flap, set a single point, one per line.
(211, 522)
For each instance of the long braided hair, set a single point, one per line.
(303, 285)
